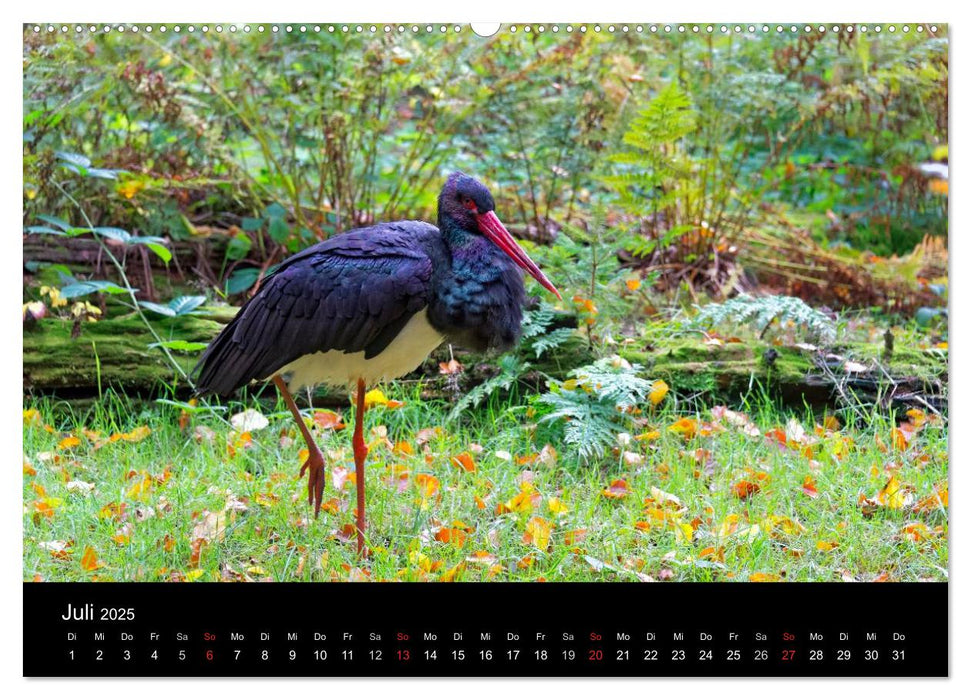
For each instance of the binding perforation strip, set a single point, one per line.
(88, 29)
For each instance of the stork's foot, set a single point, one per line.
(316, 479)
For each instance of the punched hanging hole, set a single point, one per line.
(485, 29)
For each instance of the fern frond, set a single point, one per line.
(760, 312)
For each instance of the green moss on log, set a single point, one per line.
(111, 352)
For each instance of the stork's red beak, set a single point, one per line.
(493, 229)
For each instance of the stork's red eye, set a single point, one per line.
(470, 204)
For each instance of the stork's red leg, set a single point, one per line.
(315, 460)
(360, 454)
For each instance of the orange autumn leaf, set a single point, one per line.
(919, 532)
(453, 535)
(744, 489)
(809, 487)
(464, 462)
(522, 502)
(427, 484)
(936, 500)
(686, 427)
(403, 448)
(328, 420)
(826, 545)
(59, 549)
(331, 506)
(196, 551)
(89, 560)
(831, 422)
(346, 533)
(633, 283)
(68, 442)
(482, 557)
(450, 367)
(898, 440)
(618, 489)
(45, 506)
(938, 186)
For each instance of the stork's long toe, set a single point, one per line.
(316, 479)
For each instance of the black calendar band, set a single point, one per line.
(481, 629)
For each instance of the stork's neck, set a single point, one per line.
(452, 232)
(478, 298)
(472, 255)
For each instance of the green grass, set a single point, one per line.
(271, 533)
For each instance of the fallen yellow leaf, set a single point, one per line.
(538, 533)
(658, 391)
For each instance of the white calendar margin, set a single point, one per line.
(451, 11)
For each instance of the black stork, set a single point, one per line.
(369, 305)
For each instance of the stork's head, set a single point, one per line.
(468, 204)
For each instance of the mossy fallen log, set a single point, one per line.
(849, 373)
(117, 352)
(114, 352)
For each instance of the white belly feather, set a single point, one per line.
(337, 368)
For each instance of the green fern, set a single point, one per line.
(535, 333)
(761, 312)
(591, 407)
(510, 369)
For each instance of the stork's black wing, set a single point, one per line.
(353, 292)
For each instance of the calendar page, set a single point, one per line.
(590, 349)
